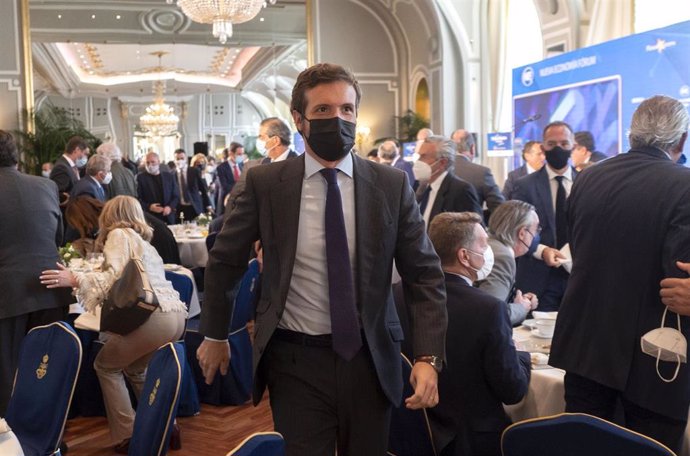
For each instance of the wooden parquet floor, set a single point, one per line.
(214, 432)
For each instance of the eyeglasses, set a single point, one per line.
(537, 231)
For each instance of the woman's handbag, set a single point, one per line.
(131, 300)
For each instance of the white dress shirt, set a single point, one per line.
(281, 157)
(435, 185)
(553, 185)
(307, 306)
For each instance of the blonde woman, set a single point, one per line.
(123, 230)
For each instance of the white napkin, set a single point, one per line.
(567, 263)
(544, 315)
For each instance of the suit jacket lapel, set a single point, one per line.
(437, 208)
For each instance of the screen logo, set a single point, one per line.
(527, 76)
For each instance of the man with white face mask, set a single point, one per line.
(629, 222)
(97, 174)
(274, 141)
(479, 347)
(440, 190)
(157, 190)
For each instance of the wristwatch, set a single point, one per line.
(435, 361)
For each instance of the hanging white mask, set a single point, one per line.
(666, 344)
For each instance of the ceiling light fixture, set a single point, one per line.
(221, 13)
(159, 119)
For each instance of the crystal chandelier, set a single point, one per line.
(160, 118)
(221, 13)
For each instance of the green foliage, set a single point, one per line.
(409, 124)
(53, 126)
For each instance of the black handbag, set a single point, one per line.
(131, 300)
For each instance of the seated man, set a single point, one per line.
(483, 370)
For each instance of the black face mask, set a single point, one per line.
(331, 139)
(557, 158)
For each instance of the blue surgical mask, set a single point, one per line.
(239, 159)
(81, 161)
(536, 239)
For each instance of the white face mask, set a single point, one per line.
(260, 146)
(153, 169)
(81, 161)
(421, 171)
(108, 177)
(485, 270)
(666, 344)
(210, 168)
(239, 159)
(181, 163)
(45, 173)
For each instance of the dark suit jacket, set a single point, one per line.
(532, 274)
(89, 187)
(123, 182)
(482, 180)
(513, 176)
(483, 372)
(388, 227)
(407, 167)
(31, 231)
(226, 181)
(147, 194)
(163, 240)
(63, 175)
(197, 190)
(630, 222)
(455, 195)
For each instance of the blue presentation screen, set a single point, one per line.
(408, 150)
(599, 87)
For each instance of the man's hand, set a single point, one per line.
(155, 208)
(424, 380)
(533, 300)
(167, 210)
(675, 293)
(525, 301)
(552, 257)
(213, 355)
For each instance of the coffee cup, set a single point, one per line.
(545, 328)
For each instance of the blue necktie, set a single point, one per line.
(424, 199)
(347, 339)
(101, 193)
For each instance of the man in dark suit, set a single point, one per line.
(274, 140)
(443, 191)
(540, 272)
(630, 219)
(327, 337)
(479, 176)
(533, 156)
(31, 231)
(229, 172)
(157, 190)
(389, 154)
(583, 154)
(123, 181)
(65, 173)
(484, 371)
(193, 191)
(97, 174)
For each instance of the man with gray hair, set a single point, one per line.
(477, 175)
(440, 190)
(123, 182)
(97, 174)
(389, 154)
(629, 224)
(274, 140)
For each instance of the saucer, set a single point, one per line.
(535, 333)
(529, 323)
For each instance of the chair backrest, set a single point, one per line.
(183, 285)
(260, 444)
(158, 402)
(410, 432)
(245, 298)
(49, 362)
(576, 434)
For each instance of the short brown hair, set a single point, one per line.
(451, 231)
(321, 73)
(554, 124)
(75, 142)
(82, 213)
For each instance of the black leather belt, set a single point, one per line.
(294, 337)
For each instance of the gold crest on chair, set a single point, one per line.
(42, 369)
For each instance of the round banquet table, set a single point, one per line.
(9, 445)
(192, 246)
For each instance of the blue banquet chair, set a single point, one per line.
(260, 444)
(410, 432)
(158, 402)
(44, 384)
(570, 434)
(236, 387)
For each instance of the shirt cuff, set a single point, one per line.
(214, 340)
(539, 252)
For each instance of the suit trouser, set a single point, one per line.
(12, 332)
(129, 355)
(319, 401)
(583, 395)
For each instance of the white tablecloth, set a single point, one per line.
(9, 445)
(545, 396)
(193, 252)
(194, 307)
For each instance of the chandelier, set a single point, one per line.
(160, 118)
(221, 13)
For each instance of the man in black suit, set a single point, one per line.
(479, 176)
(442, 191)
(583, 154)
(630, 222)
(540, 272)
(229, 172)
(65, 173)
(484, 371)
(31, 231)
(193, 191)
(533, 156)
(157, 190)
(97, 174)
(274, 140)
(327, 337)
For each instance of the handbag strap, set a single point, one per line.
(146, 283)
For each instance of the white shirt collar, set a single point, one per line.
(435, 185)
(311, 166)
(568, 174)
(69, 160)
(281, 157)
